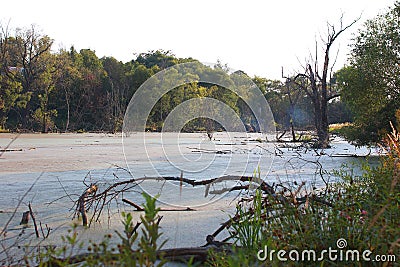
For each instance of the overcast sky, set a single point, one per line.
(257, 37)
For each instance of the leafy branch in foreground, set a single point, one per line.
(148, 247)
(125, 254)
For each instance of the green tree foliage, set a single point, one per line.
(10, 96)
(117, 92)
(161, 59)
(43, 115)
(289, 105)
(65, 80)
(69, 90)
(26, 61)
(370, 85)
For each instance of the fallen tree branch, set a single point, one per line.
(199, 254)
(343, 155)
(82, 202)
(210, 151)
(48, 229)
(139, 208)
(278, 138)
(11, 150)
(34, 220)
(91, 198)
(6, 148)
(301, 200)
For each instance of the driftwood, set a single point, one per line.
(97, 197)
(210, 151)
(202, 254)
(139, 208)
(211, 238)
(34, 220)
(91, 198)
(9, 144)
(343, 155)
(133, 204)
(199, 254)
(10, 150)
(82, 202)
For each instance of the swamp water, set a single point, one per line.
(49, 172)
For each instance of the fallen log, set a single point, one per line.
(343, 155)
(198, 254)
(302, 200)
(210, 151)
(9, 144)
(10, 150)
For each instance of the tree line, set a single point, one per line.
(69, 90)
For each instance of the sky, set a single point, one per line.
(258, 37)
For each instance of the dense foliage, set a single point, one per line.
(361, 209)
(371, 83)
(69, 90)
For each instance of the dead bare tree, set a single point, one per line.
(318, 86)
(293, 97)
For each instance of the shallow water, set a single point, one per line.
(56, 166)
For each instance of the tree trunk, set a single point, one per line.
(320, 103)
(292, 129)
(68, 110)
(44, 129)
(321, 122)
(323, 137)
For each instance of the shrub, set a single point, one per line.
(103, 254)
(362, 211)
